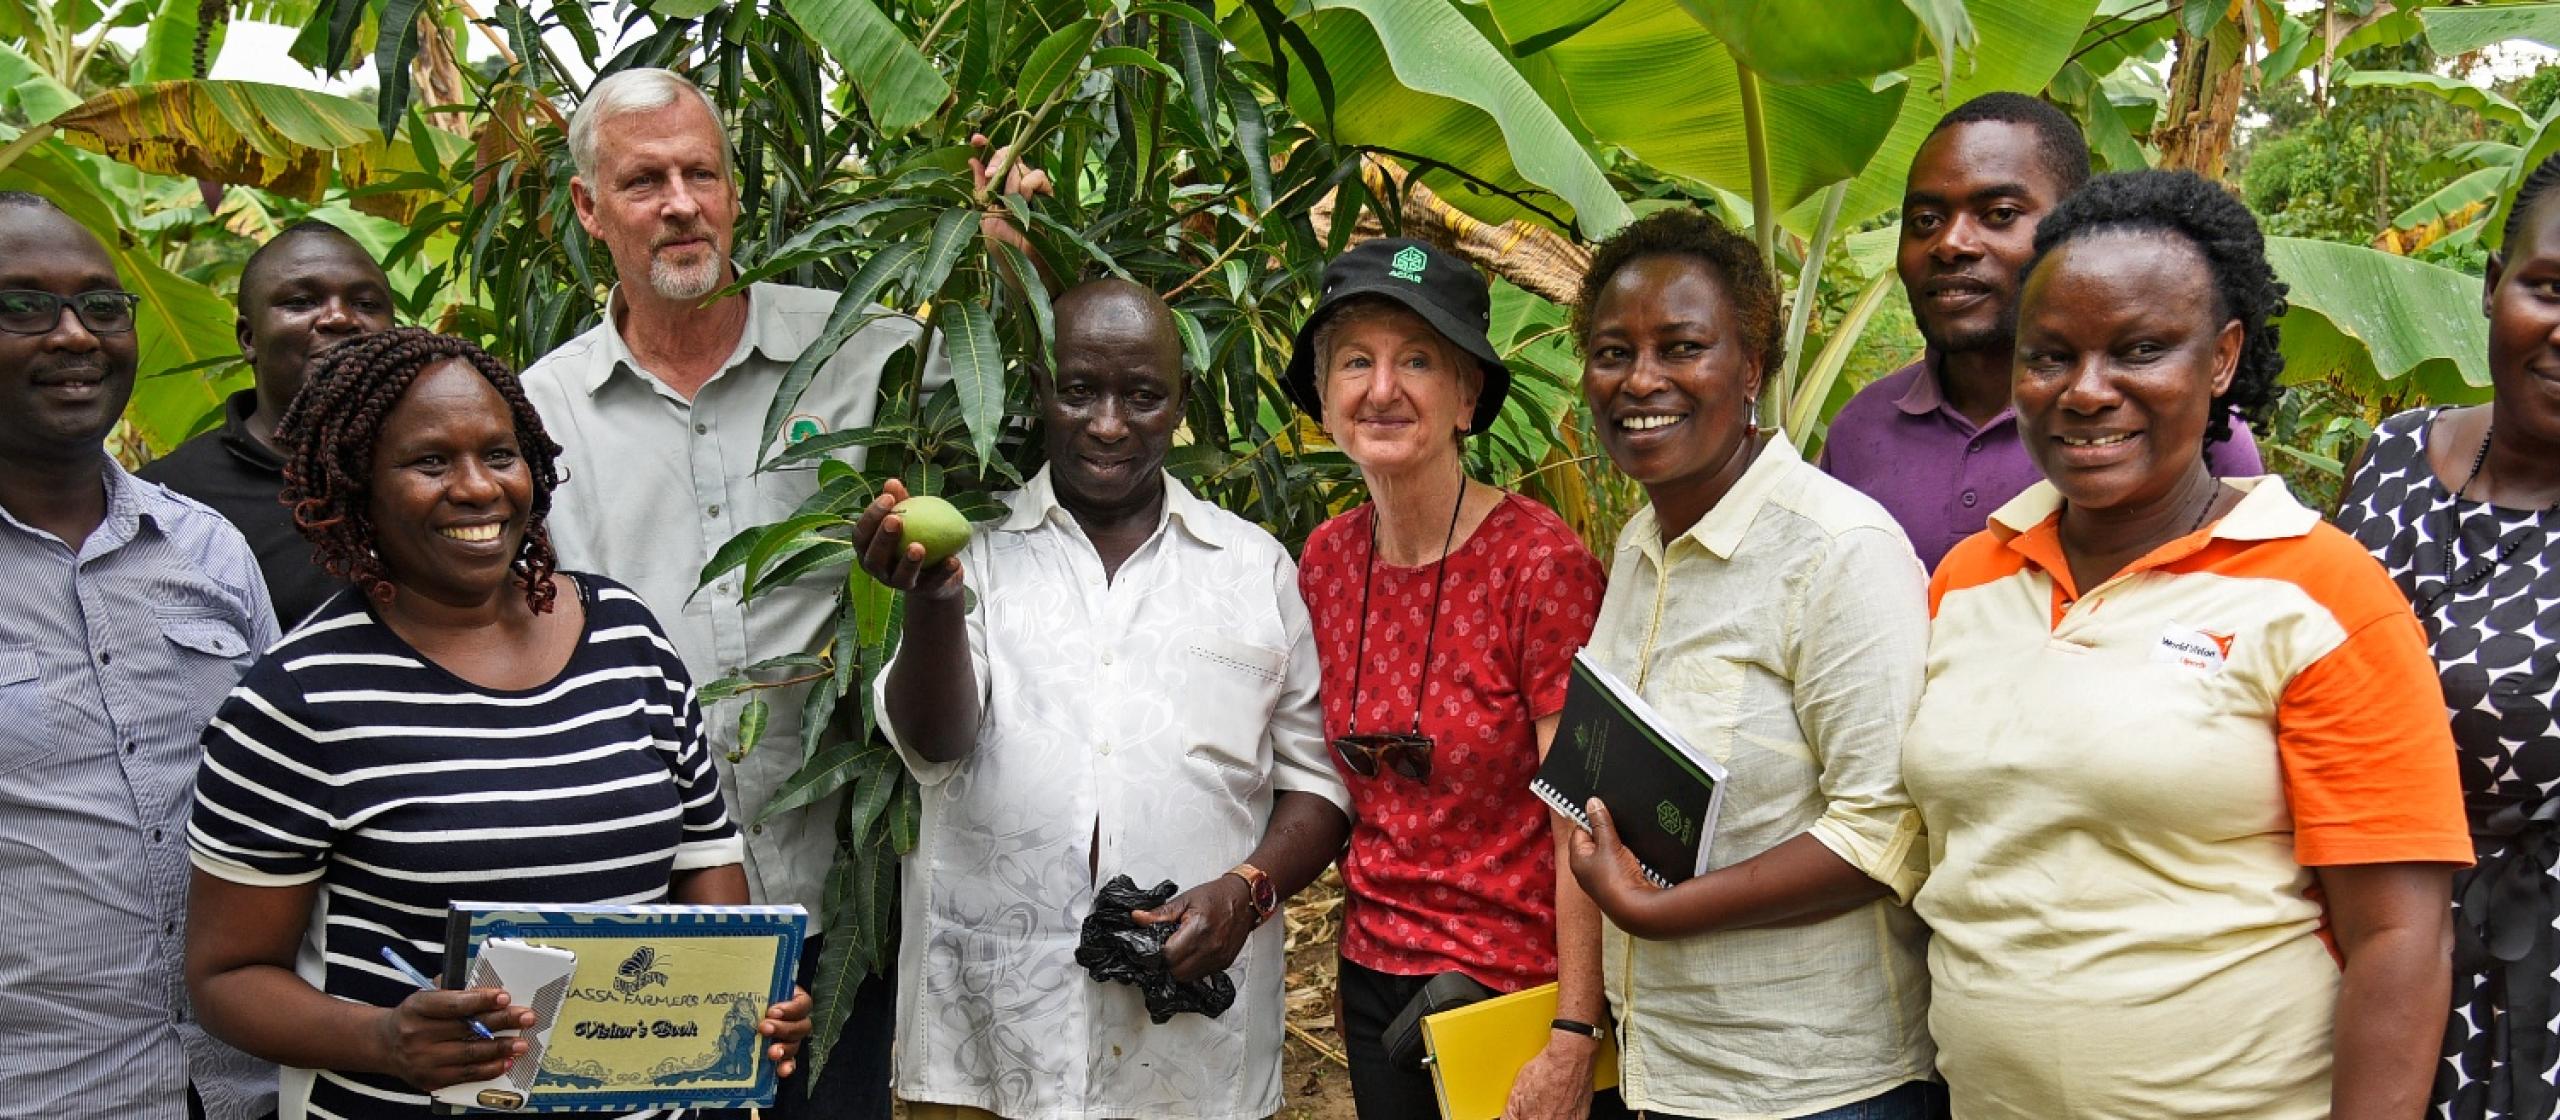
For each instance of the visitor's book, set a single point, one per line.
(661, 1007)
(1662, 792)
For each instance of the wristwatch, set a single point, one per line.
(1266, 897)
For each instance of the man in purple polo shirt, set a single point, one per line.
(1935, 442)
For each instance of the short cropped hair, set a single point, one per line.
(1684, 232)
(2063, 148)
(637, 90)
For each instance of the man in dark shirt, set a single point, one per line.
(307, 289)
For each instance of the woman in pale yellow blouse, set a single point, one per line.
(1777, 618)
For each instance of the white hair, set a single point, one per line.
(638, 90)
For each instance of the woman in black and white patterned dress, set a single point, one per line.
(2487, 479)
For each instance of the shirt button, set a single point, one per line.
(1106, 657)
(714, 511)
(169, 929)
(1970, 498)
(702, 429)
(105, 658)
(157, 835)
(1972, 447)
(755, 830)
(129, 748)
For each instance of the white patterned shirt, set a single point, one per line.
(1155, 713)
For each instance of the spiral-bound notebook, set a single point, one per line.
(1663, 793)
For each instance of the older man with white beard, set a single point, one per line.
(660, 408)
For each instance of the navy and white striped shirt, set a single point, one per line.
(347, 759)
(111, 657)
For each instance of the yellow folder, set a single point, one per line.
(1476, 1051)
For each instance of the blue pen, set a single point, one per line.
(420, 979)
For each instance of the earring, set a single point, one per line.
(1750, 417)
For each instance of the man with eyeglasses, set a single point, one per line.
(310, 287)
(132, 611)
(1116, 678)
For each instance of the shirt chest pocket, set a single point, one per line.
(25, 735)
(1228, 700)
(207, 655)
(1702, 697)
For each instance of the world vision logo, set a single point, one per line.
(2193, 647)
(1407, 264)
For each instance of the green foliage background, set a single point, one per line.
(1219, 151)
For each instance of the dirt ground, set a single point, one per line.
(1313, 1082)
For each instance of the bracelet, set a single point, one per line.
(1577, 1026)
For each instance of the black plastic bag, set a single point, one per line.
(1116, 948)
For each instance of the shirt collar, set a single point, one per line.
(1926, 394)
(2268, 511)
(1036, 505)
(768, 332)
(236, 439)
(1722, 529)
(129, 504)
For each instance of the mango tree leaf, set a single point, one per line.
(751, 721)
(2452, 31)
(900, 87)
(1054, 62)
(2022, 43)
(2487, 103)
(977, 371)
(1652, 80)
(2368, 317)
(854, 309)
(393, 48)
(1796, 43)
(1421, 82)
(820, 777)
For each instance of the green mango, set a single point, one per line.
(933, 523)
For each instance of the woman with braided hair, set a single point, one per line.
(463, 721)
(2462, 506)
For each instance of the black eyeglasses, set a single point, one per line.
(31, 312)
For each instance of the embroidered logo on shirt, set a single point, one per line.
(802, 426)
(2194, 648)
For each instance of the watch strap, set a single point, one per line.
(1577, 1026)
(1264, 894)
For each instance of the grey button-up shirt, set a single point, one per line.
(656, 484)
(111, 661)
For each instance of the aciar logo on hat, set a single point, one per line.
(1407, 264)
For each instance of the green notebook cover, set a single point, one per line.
(1663, 793)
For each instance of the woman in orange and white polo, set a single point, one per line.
(2191, 803)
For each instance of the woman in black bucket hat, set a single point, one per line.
(1446, 613)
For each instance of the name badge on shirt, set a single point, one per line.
(2193, 648)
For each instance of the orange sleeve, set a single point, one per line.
(2368, 752)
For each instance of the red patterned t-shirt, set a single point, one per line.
(1457, 873)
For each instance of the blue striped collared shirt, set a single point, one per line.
(111, 660)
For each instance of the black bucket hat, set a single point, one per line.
(1446, 292)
